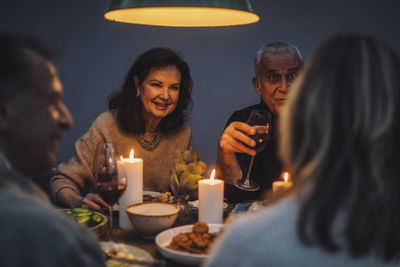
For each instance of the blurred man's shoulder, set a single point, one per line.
(49, 235)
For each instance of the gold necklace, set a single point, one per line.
(150, 145)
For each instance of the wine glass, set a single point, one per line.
(256, 118)
(107, 184)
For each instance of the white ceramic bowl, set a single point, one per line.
(150, 218)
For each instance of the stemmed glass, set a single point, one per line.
(256, 118)
(107, 184)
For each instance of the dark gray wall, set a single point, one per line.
(95, 53)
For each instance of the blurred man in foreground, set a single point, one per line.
(276, 66)
(32, 119)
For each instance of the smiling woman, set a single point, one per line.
(147, 114)
(159, 94)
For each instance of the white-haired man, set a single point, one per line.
(276, 66)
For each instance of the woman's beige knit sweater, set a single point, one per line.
(77, 173)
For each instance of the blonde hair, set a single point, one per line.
(339, 139)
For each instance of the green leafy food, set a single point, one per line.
(84, 217)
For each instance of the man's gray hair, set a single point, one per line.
(274, 48)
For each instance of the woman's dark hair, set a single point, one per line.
(340, 139)
(127, 106)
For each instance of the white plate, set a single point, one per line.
(164, 238)
(125, 251)
(195, 204)
(151, 193)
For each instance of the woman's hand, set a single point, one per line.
(70, 198)
(93, 202)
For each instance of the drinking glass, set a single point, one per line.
(107, 184)
(256, 118)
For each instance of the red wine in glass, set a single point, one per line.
(110, 192)
(256, 118)
(107, 184)
(261, 141)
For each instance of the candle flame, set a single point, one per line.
(132, 154)
(212, 176)
(286, 176)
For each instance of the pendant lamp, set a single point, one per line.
(182, 13)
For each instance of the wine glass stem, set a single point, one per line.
(111, 220)
(247, 180)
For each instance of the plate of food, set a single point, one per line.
(157, 196)
(188, 244)
(124, 251)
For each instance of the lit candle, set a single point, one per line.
(279, 186)
(131, 169)
(211, 199)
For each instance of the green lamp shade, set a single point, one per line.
(189, 13)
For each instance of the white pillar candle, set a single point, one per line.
(279, 186)
(132, 169)
(211, 199)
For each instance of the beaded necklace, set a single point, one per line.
(150, 145)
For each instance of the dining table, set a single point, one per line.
(133, 238)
